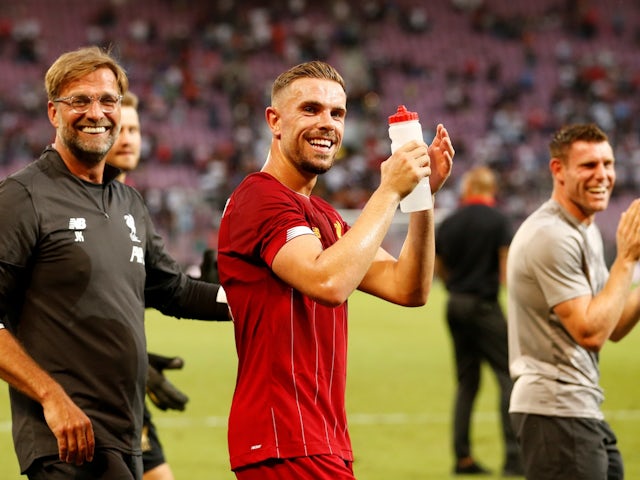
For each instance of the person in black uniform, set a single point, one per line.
(79, 262)
(471, 251)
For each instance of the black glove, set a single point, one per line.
(160, 390)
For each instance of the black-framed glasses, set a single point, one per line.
(82, 103)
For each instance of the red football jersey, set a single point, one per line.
(289, 399)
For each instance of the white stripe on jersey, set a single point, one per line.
(275, 432)
(297, 231)
(293, 365)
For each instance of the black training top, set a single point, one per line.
(468, 242)
(77, 261)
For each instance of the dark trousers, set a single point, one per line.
(558, 448)
(479, 332)
(106, 465)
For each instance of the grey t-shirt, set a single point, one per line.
(553, 258)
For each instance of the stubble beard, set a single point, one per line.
(316, 163)
(315, 168)
(89, 153)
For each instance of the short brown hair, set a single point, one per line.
(569, 134)
(130, 99)
(313, 69)
(76, 64)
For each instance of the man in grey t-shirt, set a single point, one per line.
(563, 304)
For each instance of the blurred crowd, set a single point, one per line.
(500, 74)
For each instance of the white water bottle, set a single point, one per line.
(404, 126)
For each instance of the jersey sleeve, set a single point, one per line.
(18, 240)
(19, 224)
(263, 217)
(164, 277)
(506, 232)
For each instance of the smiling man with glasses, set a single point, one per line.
(80, 261)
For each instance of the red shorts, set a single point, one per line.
(316, 467)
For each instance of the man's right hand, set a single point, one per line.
(71, 427)
(402, 171)
(628, 232)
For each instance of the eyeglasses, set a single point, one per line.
(82, 103)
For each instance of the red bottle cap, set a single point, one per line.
(403, 115)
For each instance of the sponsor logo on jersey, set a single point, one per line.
(338, 226)
(137, 252)
(78, 224)
(131, 223)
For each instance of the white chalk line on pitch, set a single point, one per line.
(357, 419)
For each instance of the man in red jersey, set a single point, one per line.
(289, 262)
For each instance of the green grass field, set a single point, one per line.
(399, 394)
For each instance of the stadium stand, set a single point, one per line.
(500, 74)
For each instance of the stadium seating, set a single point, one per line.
(500, 75)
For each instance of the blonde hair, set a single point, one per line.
(479, 181)
(76, 64)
